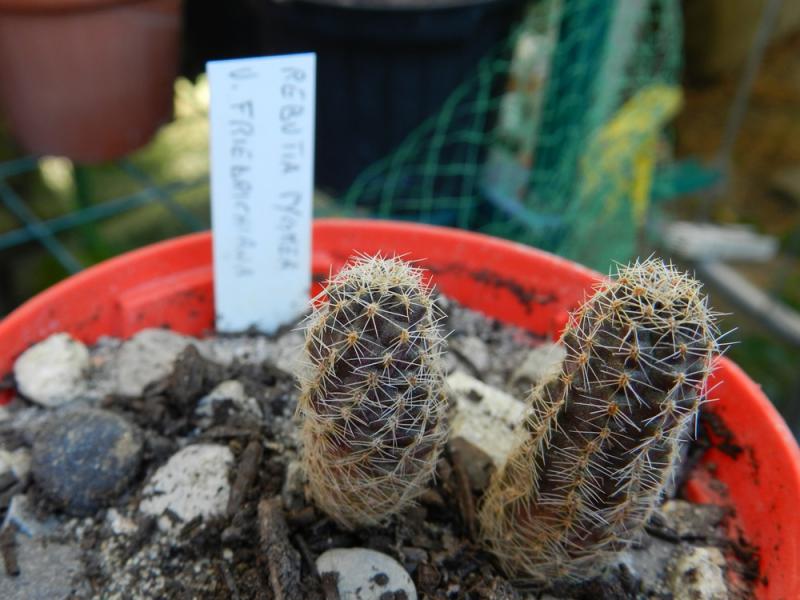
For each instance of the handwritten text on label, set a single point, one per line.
(262, 158)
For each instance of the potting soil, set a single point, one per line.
(201, 548)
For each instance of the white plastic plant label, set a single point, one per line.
(262, 172)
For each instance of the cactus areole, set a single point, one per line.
(372, 397)
(603, 437)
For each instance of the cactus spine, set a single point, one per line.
(372, 398)
(602, 438)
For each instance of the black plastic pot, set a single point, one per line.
(381, 70)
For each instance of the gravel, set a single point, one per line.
(168, 528)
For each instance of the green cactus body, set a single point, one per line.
(372, 397)
(603, 436)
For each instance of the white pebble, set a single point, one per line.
(698, 575)
(483, 426)
(18, 462)
(285, 352)
(146, 358)
(120, 524)
(366, 574)
(541, 365)
(227, 390)
(193, 482)
(51, 373)
(294, 483)
(475, 350)
(289, 351)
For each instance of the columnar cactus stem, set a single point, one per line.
(372, 397)
(603, 437)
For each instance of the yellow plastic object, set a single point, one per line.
(621, 156)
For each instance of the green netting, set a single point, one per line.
(553, 140)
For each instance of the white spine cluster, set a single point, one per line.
(603, 437)
(372, 397)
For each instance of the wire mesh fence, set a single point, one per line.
(554, 139)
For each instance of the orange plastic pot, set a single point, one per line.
(88, 79)
(170, 285)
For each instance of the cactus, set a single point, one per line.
(602, 437)
(372, 398)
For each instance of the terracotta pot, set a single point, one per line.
(88, 79)
(171, 285)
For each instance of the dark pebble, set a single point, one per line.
(82, 460)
